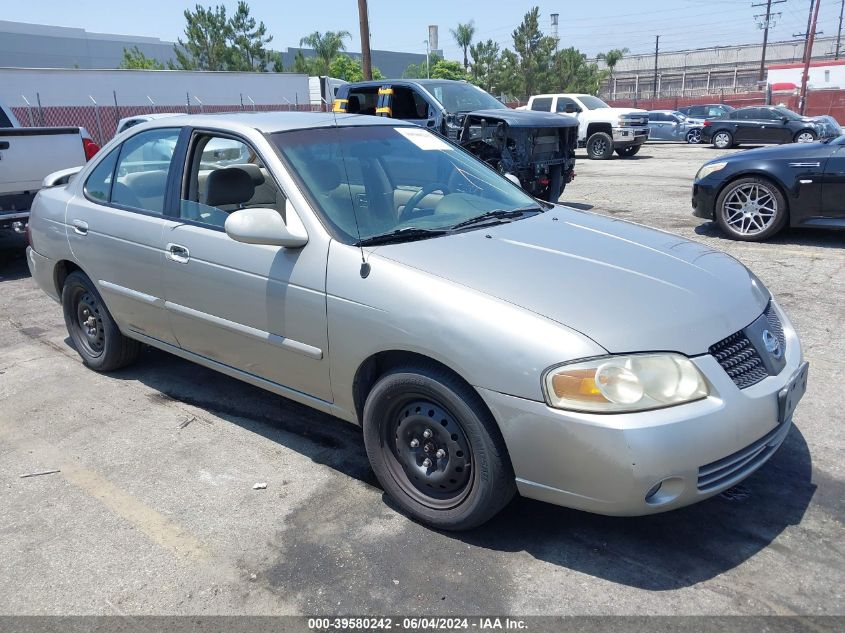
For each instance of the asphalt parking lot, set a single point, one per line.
(153, 510)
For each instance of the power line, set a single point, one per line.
(766, 25)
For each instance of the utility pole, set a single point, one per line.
(364, 19)
(656, 51)
(811, 36)
(766, 24)
(839, 33)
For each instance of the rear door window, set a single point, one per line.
(542, 104)
(142, 169)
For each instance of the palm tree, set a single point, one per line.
(463, 38)
(612, 57)
(326, 47)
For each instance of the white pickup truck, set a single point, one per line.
(27, 156)
(601, 129)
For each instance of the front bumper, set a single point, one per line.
(626, 136)
(608, 463)
(704, 196)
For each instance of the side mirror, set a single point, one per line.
(785, 120)
(513, 179)
(571, 109)
(266, 226)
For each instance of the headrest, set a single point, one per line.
(231, 185)
(326, 175)
(254, 172)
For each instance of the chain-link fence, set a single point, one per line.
(101, 120)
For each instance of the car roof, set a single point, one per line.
(269, 122)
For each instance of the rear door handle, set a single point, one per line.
(80, 227)
(178, 253)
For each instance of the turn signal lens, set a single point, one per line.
(635, 382)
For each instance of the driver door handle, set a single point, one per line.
(178, 253)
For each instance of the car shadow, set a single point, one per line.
(660, 552)
(581, 206)
(12, 257)
(822, 238)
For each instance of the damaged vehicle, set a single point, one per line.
(537, 149)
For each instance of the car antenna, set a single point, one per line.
(365, 265)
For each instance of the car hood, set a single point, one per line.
(526, 118)
(787, 151)
(627, 287)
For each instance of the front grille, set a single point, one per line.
(740, 359)
(730, 469)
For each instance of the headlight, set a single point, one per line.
(615, 384)
(710, 168)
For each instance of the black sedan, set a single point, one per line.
(754, 194)
(767, 124)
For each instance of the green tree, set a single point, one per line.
(445, 69)
(249, 38)
(533, 49)
(505, 77)
(421, 70)
(207, 33)
(485, 56)
(135, 58)
(575, 74)
(275, 58)
(326, 47)
(348, 69)
(612, 57)
(463, 38)
(301, 63)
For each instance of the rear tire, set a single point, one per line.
(91, 327)
(417, 414)
(627, 152)
(600, 146)
(723, 140)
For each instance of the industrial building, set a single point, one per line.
(700, 71)
(24, 45)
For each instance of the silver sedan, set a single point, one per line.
(487, 343)
(670, 125)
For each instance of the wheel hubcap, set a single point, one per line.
(750, 209)
(805, 138)
(694, 136)
(600, 146)
(432, 452)
(721, 140)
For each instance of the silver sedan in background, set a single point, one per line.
(671, 125)
(488, 343)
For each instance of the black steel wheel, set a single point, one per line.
(91, 327)
(428, 452)
(435, 448)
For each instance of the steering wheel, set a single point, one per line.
(414, 200)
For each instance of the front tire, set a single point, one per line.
(751, 209)
(435, 448)
(723, 140)
(600, 146)
(694, 136)
(628, 151)
(805, 136)
(91, 327)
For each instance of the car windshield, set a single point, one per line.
(375, 180)
(789, 114)
(592, 103)
(461, 97)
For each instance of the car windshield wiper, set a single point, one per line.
(497, 214)
(407, 233)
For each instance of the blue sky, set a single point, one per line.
(400, 25)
